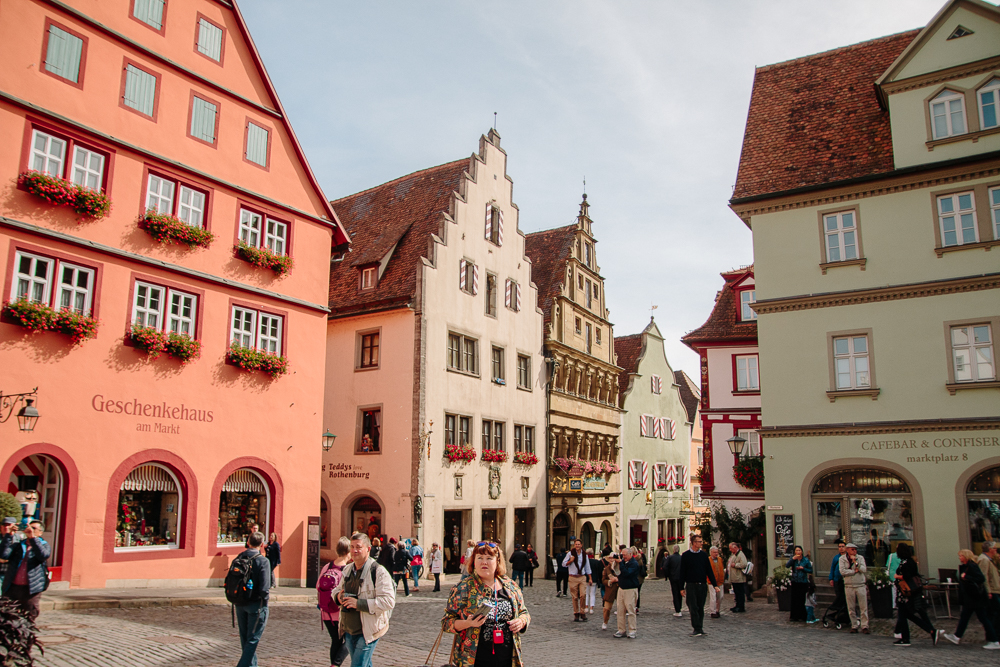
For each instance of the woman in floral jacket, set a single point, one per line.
(501, 617)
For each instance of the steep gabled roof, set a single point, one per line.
(549, 251)
(397, 217)
(817, 120)
(722, 325)
(628, 350)
(690, 394)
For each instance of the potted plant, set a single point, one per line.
(749, 473)
(460, 453)
(17, 635)
(880, 591)
(264, 258)
(88, 204)
(781, 582)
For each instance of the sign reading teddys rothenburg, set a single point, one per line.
(784, 535)
(172, 413)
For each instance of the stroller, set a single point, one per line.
(836, 614)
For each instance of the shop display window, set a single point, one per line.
(243, 503)
(983, 498)
(149, 509)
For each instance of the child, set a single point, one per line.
(811, 602)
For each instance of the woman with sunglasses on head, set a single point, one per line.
(486, 612)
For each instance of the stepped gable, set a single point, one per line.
(690, 394)
(397, 217)
(722, 324)
(549, 251)
(816, 120)
(628, 350)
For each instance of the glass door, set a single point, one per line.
(829, 528)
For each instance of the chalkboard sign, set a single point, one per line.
(784, 536)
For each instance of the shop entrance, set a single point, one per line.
(454, 541)
(638, 533)
(37, 483)
(524, 525)
(982, 497)
(587, 536)
(850, 504)
(366, 517)
(560, 534)
(607, 534)
(494, 527)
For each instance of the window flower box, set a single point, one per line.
(494, 456)
(250, 359)
(264, 258)
(525, 458)
(88, 204)
(166, 229)
(40, 317)
(155, 342)
(463, 453)
(749, 473)
(598, 467)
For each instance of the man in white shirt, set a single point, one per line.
(579, 576)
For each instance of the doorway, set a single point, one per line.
(494, 527)
(607, 534)
(560, 534)
(524, 525)
(587, 536)
(37, 483)
(454, 541)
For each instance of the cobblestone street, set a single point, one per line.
(203, 637)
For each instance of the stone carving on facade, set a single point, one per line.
(494, 487)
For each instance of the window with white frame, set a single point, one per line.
(957, 219)
(276, 236)
(164, 309)
(64, 54)
(257, 329)
(989, 105)
(841, 236)
(752, 446)
(948, 114)
(660, 476)
(994, 194)
(463, 353)
(171, 196)
(149, 12)
(57, 283)
(851, 362)
(747, 297)
(638, 471)
(747, 373)
(209, 39)
(48, 156)
(648, 426)
(260, 231)
(972, 353)
(369, 277)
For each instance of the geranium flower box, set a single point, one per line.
(525, 458)
(88, 204)
(264, 258)
(250, 359)
(168, 229)
(463, 453)
(40, 317)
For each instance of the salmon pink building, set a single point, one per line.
(165, 252)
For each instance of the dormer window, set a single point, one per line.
(948, 114)
(369, 277)
(989, 105)
(747, 297)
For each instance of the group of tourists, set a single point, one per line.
(24, 573)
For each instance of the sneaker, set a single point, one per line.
(604, 626)
(619, 635)
(697, 633)
(900, 642)
(992, 646)
(936, 636)
(815, 620)
(631, 635)
(409, 595)
(950, 637)
(677, 613)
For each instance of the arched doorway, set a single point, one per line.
(324, 524)
(366, 517)
(560, 533)
(607, 535)
(587, 536)
(982, 496)
(850, 503)
(37, 482)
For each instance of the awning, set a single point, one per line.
(149, 478)
(243, 481)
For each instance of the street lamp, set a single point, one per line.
(736, 444)
(328, 439)
(27, 415)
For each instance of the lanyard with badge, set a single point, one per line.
(497, 628)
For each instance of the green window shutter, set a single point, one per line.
(62, 57)
(149, 12)
(140, 90)
(203, 115)
(209, 40)
(257, 138)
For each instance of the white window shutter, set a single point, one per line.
(475, 279)
(461, 274)
(507, 292)
(673, 429)
(645, 474)
(517, 293)
(657, 427)
(671, 480)
(500, 231)
(489, 221)
(643, 428)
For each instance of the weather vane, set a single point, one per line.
(652, 307)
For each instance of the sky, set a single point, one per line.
(647, 100)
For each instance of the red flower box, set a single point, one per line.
(88, 204)
(525, 458)
(463, 453)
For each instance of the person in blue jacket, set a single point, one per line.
(801, 568)
(27, 574)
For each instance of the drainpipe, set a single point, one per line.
(550, 366)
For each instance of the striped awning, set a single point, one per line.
(243, 480)
(149, 478)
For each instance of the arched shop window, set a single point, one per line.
(149, 509)
(245, 500)
(983, 498)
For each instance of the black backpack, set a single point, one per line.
(239, 579)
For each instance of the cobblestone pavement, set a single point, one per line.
(203, 637)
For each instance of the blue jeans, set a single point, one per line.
(415, 571)
(251, 619)
(519, 577)
(360, 650)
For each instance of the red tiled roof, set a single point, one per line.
(722, 324)
(549, 251)
(816, 119)
(690, 394)
(628, 350)
(406, 212)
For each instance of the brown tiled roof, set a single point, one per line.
(549, 251)
(406, 212)
(690, 394)
(722, 324)
(816, 119)
(629, 350)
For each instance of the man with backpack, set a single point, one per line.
(248, 583)
(366, 595)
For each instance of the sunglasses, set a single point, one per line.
(492, 545)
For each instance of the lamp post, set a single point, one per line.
(328, 440)
(736, 445)
(27, 416)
